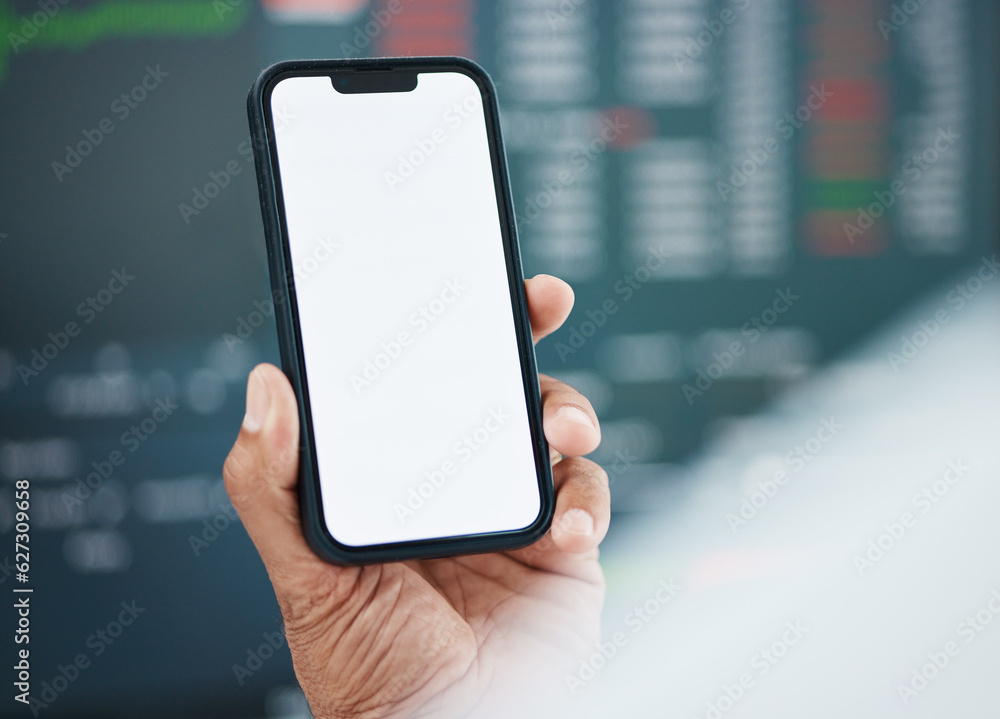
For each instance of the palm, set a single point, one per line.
(451, 630)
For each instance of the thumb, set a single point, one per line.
(261, 474)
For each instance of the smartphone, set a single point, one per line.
(400, 308)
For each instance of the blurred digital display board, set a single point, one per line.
(737, 191)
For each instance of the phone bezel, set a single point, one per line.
(317, 534)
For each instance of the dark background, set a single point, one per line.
(694, 112)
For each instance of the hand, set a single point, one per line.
(442, 637)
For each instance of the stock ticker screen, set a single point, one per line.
(738, 191)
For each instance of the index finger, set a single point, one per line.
(549, 303)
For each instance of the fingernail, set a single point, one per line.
(574, 414)
(258, 403)
(577, 521)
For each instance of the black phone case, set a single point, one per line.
(286, 316)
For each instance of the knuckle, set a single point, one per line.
(588, 475)
(241, 475)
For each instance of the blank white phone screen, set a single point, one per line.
(418, 406)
